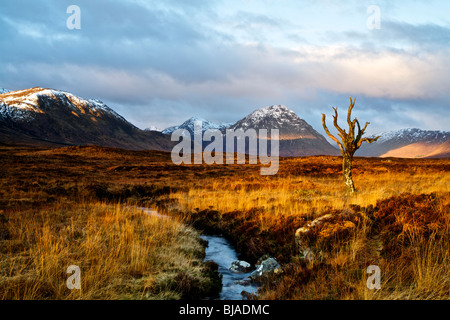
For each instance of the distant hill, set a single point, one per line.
(189, 125)
(409, 143)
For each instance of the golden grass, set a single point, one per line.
(51, 199)
(268, 201)
(419, 271)
(122, 252)
(303, 195)
(425, 276)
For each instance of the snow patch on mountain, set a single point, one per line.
(189, 125)
(153, 128)
(279, 114)
(24, 104)
(413, 135)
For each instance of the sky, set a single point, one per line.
(158, 63)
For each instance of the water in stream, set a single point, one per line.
(222, 252)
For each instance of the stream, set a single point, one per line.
(223, 253)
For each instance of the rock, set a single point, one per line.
(326, 230)
(304, 251)
(262, 258)
(267, 267)
(243, 282)
(312, 224)
(240, 266)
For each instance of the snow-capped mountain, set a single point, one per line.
(57, 117)
(24, 105)
(189, 125)
(51, 117)
(408, 143)
(297, 137)
(153, 128)
(412, 135)
(291, 126)
(3, 90)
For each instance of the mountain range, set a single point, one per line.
(49, 117)
(189, 125)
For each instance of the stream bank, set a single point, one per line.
(223, 253)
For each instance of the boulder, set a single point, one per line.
(326, 228)
(304, 251)
(267, 267)
(243, 282)
(240, 266)
(262, 258)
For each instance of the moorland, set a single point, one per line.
(78, 205)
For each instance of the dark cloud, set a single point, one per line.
(160, 62)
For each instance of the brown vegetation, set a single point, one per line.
(399, 221)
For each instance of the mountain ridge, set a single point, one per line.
(408, 143)
(48, 116)
(276, 116)
(189, 125)
(297, 137)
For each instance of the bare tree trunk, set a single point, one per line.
(347, 172)
(351, 142)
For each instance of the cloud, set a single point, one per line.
(160, 62)
(424, 37)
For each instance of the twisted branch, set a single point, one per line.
(330, 135)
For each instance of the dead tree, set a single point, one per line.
(349, 143)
